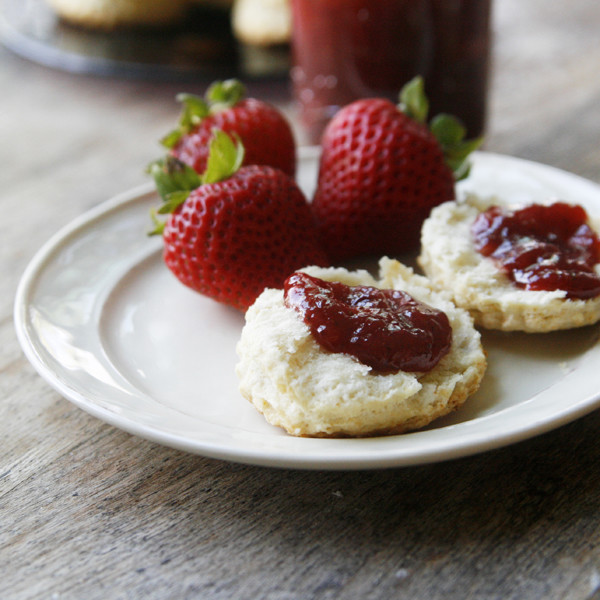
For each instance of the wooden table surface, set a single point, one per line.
(88, 511)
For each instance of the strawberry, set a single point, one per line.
(264, 131)
(382, 170)
(235, 230)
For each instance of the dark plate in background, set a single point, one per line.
(201, 49)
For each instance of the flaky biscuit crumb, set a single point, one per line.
(450, 260)
(311, 392)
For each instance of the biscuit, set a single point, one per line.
(113, 14)
(309, 391)
(450, 260)
(262, 22)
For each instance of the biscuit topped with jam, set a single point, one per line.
(309, 389)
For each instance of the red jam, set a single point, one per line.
(349, 49)
(542, 247)
(384, 329)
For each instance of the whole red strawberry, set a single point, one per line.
(264, 131)
(382, 170)
(235, 230)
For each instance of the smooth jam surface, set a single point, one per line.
(387, 330)
(543, 248)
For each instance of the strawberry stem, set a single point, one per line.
(171, 175)
(175, 180)
(219, 96)
(225, 94)
(450, 133)
(159, 226)
(448, 130)
(413, 100)
(224, 158)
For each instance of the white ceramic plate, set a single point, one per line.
(104, 322)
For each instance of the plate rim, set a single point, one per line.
(350, 461)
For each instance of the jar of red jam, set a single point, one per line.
(349, 49)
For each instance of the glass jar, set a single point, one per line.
(349, 49)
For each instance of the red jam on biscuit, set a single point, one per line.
(542, 248)
(387, 330)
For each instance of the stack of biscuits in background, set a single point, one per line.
(254, 22)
